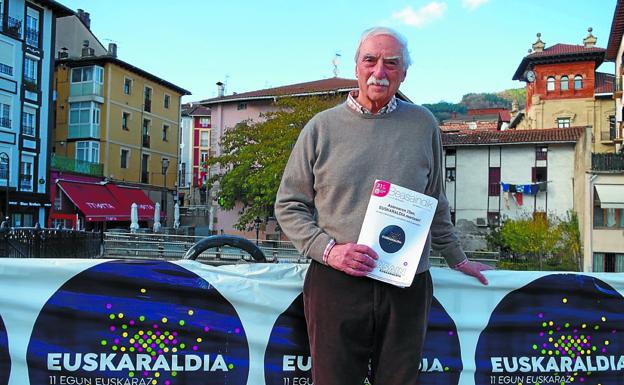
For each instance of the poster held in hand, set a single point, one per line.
(396, 226)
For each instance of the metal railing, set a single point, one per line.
(608, 162)
(34, 242)
(5, 122)
(6, 69)
(63, 163)
(12, 27)
(28, 130)
(146, 141)
(32, 37)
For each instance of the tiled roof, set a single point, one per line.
(469, 126)
(505, 116)
(560, 53)
(307, 88)
(617, 30)
(189, 109)
(605, 83)
(550, 135)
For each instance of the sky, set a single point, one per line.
(457, 46)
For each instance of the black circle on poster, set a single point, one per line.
(143, 322)
(558, 329)
(391, 239)
(287, 358)
(5, 359)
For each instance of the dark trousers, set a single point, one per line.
(351, 320)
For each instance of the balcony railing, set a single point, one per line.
(147, 107)
(607, 135)
(6, 69)
(63, 163)
(28, 130)
(12, 27)
(146, 141)
(32, 37)
(144, 177)
(608, 162)
(5, 122)
(83, 131)
(85, 89)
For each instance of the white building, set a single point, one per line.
(26, 72)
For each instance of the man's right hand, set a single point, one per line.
(353, 259)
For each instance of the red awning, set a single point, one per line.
(129, 195)
(107, 202)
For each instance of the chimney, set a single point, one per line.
(112, 49)
(85, 18)
(220, 89)
(86, 50)
(63, 54)
(590, 40)
(453, 114)
(539, 45)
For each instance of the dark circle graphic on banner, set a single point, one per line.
(287, 358)
(559, 329)
(138, 323)
(5, 359)
(392, 239)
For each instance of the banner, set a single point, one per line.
(111, 322)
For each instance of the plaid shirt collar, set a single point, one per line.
(353, 104)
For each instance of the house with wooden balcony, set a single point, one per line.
(114, 114)
(26, 56)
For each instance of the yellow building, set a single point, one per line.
(128, 120)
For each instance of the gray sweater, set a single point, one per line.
(330, 173)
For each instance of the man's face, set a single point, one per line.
(379, 71)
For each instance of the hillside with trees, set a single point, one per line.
(444, 110)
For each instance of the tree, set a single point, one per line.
(254, 155)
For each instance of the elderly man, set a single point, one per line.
(321, 204)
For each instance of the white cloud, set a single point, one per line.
(473, 4)
(422, 16)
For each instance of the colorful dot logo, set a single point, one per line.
(287, 358)
(559, 329)
(5, 359)
(151, 323)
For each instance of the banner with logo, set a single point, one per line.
(110, 322)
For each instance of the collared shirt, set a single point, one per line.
(353, 104)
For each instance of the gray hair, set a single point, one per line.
(386, 31)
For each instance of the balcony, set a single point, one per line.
(28, 130)
(6, 69)
(63, 163)
(84, 131)
(5, 122)
(147, 106)
(146, 141)
(85, 89)
(618, 87)
(607, 136)
(144, 177)
(32, 37)
(608, 162)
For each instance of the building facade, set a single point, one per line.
(563, 89)
(26, 70)
(196, 133)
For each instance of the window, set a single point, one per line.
(25, 177)
(127, 86)
(578, 82)
(204, 157)
(7, 57)
(58, 200)
(182, 174)
(167, 101)
(450, 174)
(87, 74)
(541, 153)
(3, 170)
(204, 122)
(5, 115)
(550, 83)
(612, 128)
(88, 151)
(204, 140)
(84, 120)
(28, 122)
(241, 106)
(539, 174)
(608, 262)
(146, 129)
(494, 181)
(565, 83)
(563, 122)
(125, 157)
(32, 28)
(145, 168)
(451, 152)
(30, 73)
(125, 117)
(165, 133)
(147, 99)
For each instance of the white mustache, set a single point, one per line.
(372, 80)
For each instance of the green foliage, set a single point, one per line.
(539, 243)
(254, 155)
(444, 110)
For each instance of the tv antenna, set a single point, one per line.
(335, 63)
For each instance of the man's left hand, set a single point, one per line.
(474, 269)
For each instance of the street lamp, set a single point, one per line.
(165, 166)
(4, 158)
(257, 222)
